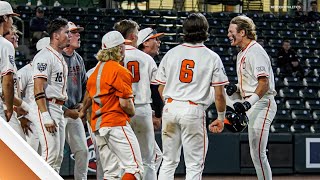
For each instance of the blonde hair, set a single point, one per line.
(113, 54)
(245, 23)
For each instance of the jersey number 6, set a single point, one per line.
(186, 73)
(133, 67)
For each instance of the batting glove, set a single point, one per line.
(241, 107)
(231, 88)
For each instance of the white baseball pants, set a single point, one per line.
(142, 126)
(76, 138)
(183, 125)
(119, 142)
(157, 156)
(52, 144)
(260, 117)
(33, 137)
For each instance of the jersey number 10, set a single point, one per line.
(186, 73)
(133, 67)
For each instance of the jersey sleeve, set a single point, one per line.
(41, 67)
(219, 76)
(123, 84)
(161, 77)
(153, 72)
(23, 79)
(7, 59)
(259, 64)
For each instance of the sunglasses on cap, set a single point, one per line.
(152, 33)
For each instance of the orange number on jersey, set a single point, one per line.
(133, 67)
(186, 73)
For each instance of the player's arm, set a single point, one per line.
(220, 101)
(40, 99)
(87, 102)
(160, 89)
(127, 106)
(8, 93)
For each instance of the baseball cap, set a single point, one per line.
(147, 33)
(42, 43)
(6, 9)
(73, 27)
(113, 39)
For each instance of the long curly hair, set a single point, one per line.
(112, 54)
(245, 23)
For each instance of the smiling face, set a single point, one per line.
(234, 36)
(13, 38)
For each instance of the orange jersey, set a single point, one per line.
(109, 82)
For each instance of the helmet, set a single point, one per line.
(235, 122)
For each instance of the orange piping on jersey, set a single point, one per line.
(192, 46)
(63, 72)
(217, 83)
(263, 74)
(134, 156)
(241, 62)
(131, 49)
(6, 72)
(264, 122)
(39, 75)
(160, 81)
(44, 134)
(246, 46)
(243, 58)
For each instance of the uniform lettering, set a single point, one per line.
(260, 68)
(186, 73)
(133, 67)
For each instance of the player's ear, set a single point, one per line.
(242, 33)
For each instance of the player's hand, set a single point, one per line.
(79, 107)
(241, 107)
(216, 126)
(72, 113)
(8, 114)
(49, 122)
(156, 123)
(25, 124)
(51, 128)
(230, 89)
(82, 114)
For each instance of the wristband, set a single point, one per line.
(253, 99)
(46, 118)
(25, 106)
(221, 116)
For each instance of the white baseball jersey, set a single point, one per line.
(143, 69)
(7, 63)
(252, 63)
(26, 83)
(188, 70)
(49, 63)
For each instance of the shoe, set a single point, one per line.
(28, 3)
(39, 3)
(56, 4)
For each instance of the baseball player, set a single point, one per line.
(7, 61)
(77, 79)
(143, 69)
(111, 97)
(99, 170)
(257, 89)
(27, 94)
(185, 75)
(50, 77)
(149, 42)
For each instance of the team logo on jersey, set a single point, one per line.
(11, 59)
(260, 68)
(42, 66)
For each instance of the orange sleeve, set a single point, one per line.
(123, 84)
